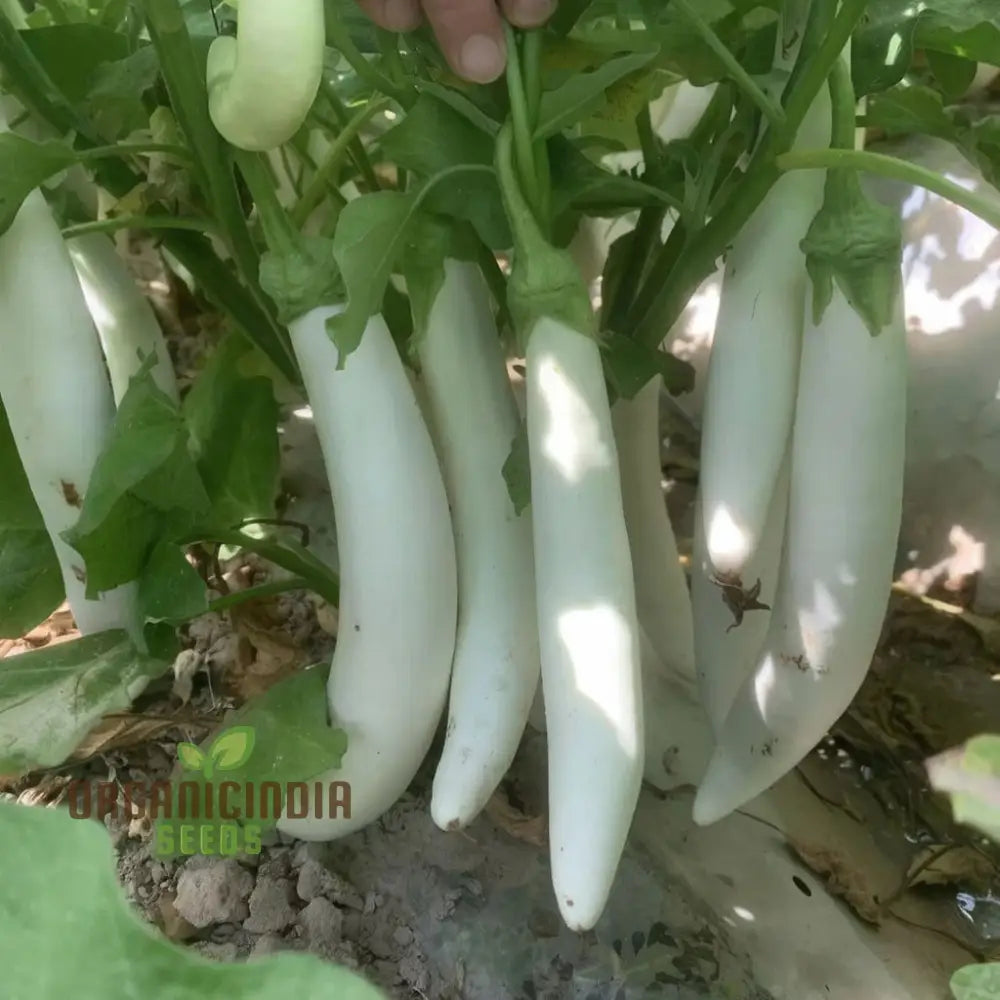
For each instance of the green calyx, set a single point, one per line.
(544, 281)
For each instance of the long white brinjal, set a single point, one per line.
(844, 513)
(730, 624)
(496, 668)
(587, 624)
(661, 591)
(753, 368)
(262, 83)
(128, 328)
(56, 393)
(398, 589)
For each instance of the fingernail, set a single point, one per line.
(482, 59)
(531, 13)
(400, 15)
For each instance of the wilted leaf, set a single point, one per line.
(52, 698)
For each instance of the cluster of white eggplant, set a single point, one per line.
(454, 604)
(800, 500)
(74, 327)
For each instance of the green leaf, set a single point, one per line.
(970, 776)
(629, 365)
(584, 93)
(517, 471)
(24, 166)
(190, 756)
(580, 184)
(73, 54)
(233, 423)
(882, 48)
(954, 73)
(911, 109)
(921, 109)
(434, 137)
(144, 487)
(232, 748)
(31, 583)
(458, 101)
(51, 698)
(114, 100)
(170, 588)
(976, 982)
(858, 244)
(429, 243)
(370, 236)
(50, 936)
(292, 741)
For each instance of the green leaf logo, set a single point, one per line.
(232, 749)
(191, 758)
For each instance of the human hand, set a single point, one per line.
(470, 32)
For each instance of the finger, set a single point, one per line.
(528, 13)
(470, 34)
(393, 15)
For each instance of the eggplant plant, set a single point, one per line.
(379, 238)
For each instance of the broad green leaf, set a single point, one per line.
(31, 583)
(115, 97)
(232, 748)
(921, 109)
(882, 48)
(903, 110)
(233, 423)
(954, 73)
(970, 776)
(459, 102)
(858, 244)
(73, 54)
(615, 118)
(292, 741)
(517, 471)
(302, 279)
(580, 184)
(51, 698)
(370, 236)
(430, 242)
(583, 94)
(976, 982)
(85, 941)
(630, 365)
(24, 166)
(144, 487)
(170, 588)
(434, 137)
(190, 756)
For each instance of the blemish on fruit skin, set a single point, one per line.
(70, 493)
(454, 825)
(79, 574)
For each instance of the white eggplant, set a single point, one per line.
(725, 652)
(587, 623)
(262, 83)
(753, 368)
(389, 679)
(496, 668)
(662, 599)
(844, 513)
(125, 321)
(56, 393)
